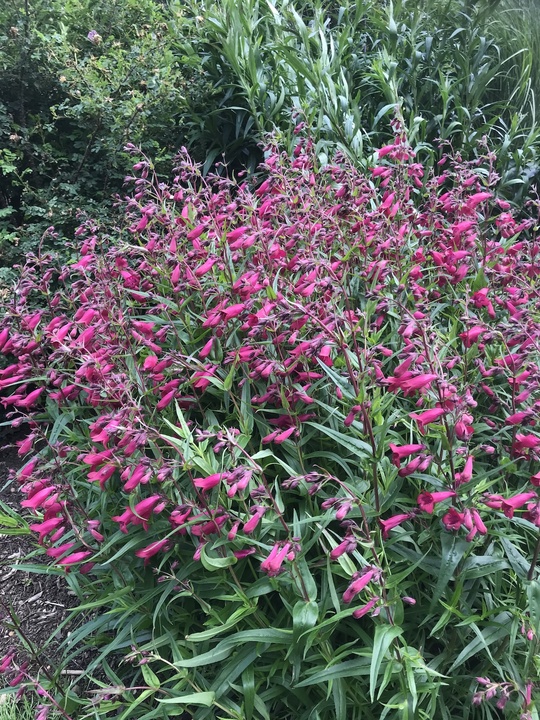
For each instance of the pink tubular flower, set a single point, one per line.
(133, 477)
(399, 452)
(46, 527)
(75, 558)
(392, 522)
(453, 519)
(347, 545)
(409, 383)
(258, 511)
(466, 474)
(150, 550)
(478, 522)
(282, 436)
(144, 509)
(240, 554)
(207, 483)
(272, 564)
(418, 382)
(102, 475)
(427, 500)
(474, 200)
(56, 552)
(471, 336)
(358, 584)
(6, 661)
(38, 498)
(27, 470)
(509, 505)
(361, 611)
(418, 464)
(525, 442)
(426, 417)
(179, 517)
(30, 399)
(518, 418)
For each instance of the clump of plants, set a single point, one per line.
(282, 442)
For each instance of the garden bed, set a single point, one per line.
(39, 603)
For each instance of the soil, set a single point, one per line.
(37, 603)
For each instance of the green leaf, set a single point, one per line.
(216, 563)
(384, 635)
(248, 687)
(533, 597)
(453, 548)
(206, 699)
(305, 615)
(235, 618)
(135, 704)
(347, 441)
(518, 562)
(349, 668)
(150, 676)
(226, 647)
(478, 566)
(498, 630)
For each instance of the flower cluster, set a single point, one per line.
(322, 371)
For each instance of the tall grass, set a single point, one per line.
(11, 709)
(344, 68)
(520, 27)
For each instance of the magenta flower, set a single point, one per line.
(535, 479)
(272, 564)
(359, 583)
(150, 550)
(347, 545)
(46, 527)
(426, 417)
(145, 508)
(38, 498)
(101, 475)
(207, 483)
(418, 464)
(56, 552)
(6, 661)
(399, 452)
(257, 513)
(75, 558)
(361, 611)
(392, 522)
(409, 383)
(519, 417)
(240, 554)
(509, 505)
(453, 519)
(466, 474)
(525, 442)
(427, 500)
(30, 399)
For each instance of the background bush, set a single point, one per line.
(79, 80)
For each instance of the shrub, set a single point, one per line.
(80, 79)
(282, 441)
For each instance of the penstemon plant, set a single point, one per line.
(282, 441)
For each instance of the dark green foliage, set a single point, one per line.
(69, 104)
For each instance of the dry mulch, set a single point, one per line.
(40, 602)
